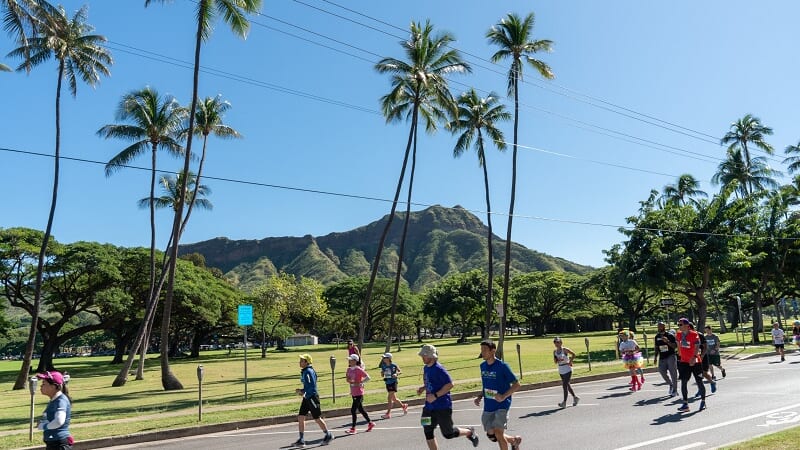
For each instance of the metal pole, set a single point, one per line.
(333, 377)
(588, 355)
(200, 393)
(245, 363)
(32, 386)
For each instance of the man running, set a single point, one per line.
(665, 345)
(713, 344)
(777, 338)
(438, 409)
(689, 364)
(310, 402)
(499, 383)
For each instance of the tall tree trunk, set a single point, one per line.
(150, 298)
(22, 376)
(379, 251)
(401, 251)
(722, 327)
(507, 264)
(489, 300)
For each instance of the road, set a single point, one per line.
(757, 397)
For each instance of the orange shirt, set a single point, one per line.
(687, 346)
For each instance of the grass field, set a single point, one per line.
(101, 410)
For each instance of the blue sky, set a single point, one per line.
(699, 65)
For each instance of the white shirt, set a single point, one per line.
(777, 336)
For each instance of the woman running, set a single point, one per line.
(796, 333)
(563, 357)
(357, 376)
(631, 358)
(390, 371)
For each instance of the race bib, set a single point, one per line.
(387, 373)
(663, 348)
(489, 393)
(425, 421)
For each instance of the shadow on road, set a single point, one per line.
(543, 413)
(651, 401)
(618, 394)
(673, 418)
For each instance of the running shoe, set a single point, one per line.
(516, 442)
(702, 406)
(327, 439)
(472, 436)
(562, 405)
(370, 426)
(405, 408)
(783, 359)
(713, 387)
(641, 379)
(684, 408)
(351, 431)
(386, 416)
(300, 443)
(723, 373)
(698, 395)
(713, 378)
(575, 401)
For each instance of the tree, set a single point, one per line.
(476, 115)
(540, 296)
(793, 161)
(514, 37)
(750, 178)
(459, 297)
(747, 131)
(233, 13)
(23, 19)
(151, 122)
(684, 190)
(419, 88)
(79, 55)
(4, 68)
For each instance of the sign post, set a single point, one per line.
(32, 386)
(588, 355)
(741, 323)
(333, 377)
(666, 302)
(519, 357)
(245, 320)
(200, 393)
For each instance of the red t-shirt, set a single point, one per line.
(687, 347)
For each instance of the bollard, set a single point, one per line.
(32, 386)
(519, 357)
(333, 377)
(200, 393)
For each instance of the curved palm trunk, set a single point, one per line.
(401, 250)
(196, 184)
(507, 265)
(22, 377)
(379, 252)
(489, 299)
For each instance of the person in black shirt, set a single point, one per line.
(665, 345)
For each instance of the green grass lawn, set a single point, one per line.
(144, 406)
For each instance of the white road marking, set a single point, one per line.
(710, 427)
(693, 445)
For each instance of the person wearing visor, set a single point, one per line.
(55, 420)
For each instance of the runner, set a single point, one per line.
(705, 364)
(712, 345)
(390, 371)
(665, 345)
(310, 404)
(639, 370)
(563, 357)
(777, 339)
(499, 384)
(357, 376)
(689, 363)
(352, 349)
(58, 413)
(796, 333)
(438, 409)
(631, 358)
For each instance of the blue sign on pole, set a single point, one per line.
(245, 315)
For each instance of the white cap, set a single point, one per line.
(387, 355)
(354, 357)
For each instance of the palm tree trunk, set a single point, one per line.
(196, 184)
(489, 300)
(507, 264)
(401, 250)
(379, 252)
(22, 377)
(143, 351)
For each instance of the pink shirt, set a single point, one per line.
(356, 376)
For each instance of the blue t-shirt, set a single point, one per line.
(497, 379)
(435, 377)
(309, 378)
(59, 403)
(389, 372)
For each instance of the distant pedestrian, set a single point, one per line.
(631, 358)
(796, 332)
(714, 357)
(310, 404)
(499, 384)
(563, 357)
(640, 369)
(390, 372)
(438, 409)
(357, 376)
(57, 414)
(777, 339)
(352, 349)
(689, 363)
(705, 363)
(665, 345)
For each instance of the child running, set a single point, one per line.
(390, 371)
(357, 376)
(631, 358)
(777, 338)
(563, 357)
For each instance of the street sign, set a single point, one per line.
(499, 308)
(245, 315)
(667, 302)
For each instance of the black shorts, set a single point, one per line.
(310, 405)
(685, 371)
(706, 363)
(391, 387)
(777, 346)
(441, 417)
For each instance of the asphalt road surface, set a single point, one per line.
(757, 397)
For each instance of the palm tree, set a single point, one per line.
(757, 176)
(233, 13)
(170, 185)
(514, 37)
(686, 188)
(475, 116)
(794, 160)
(80, 55)
(152, 122)
(419, 88)
(23, 19)
(4, 68)
(748, 130)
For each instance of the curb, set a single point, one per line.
(176, 433)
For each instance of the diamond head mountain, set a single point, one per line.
(440, 241)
